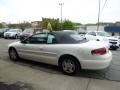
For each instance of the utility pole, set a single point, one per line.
(98, 16)
(61, 4)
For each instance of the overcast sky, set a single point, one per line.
(83, 11)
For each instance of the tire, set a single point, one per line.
(115, 48)
(13, 54)
(69, 65)
(16, 36)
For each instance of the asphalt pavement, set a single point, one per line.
(28, 75)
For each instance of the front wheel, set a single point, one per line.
(13, 54)
(69, 65)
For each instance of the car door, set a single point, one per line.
(51, 50)
(33, 47)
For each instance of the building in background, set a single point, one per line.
(113, 30)
(94, 27)
(80, 28)
(37, 26)
(86, 28)
(117, 23)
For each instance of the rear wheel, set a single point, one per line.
(13, 54)
(69, 65)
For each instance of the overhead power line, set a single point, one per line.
(100, 11)
(104, 5)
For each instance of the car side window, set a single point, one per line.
(92, 33)
(37, 39)
(51, 39)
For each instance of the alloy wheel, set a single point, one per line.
(13, 54)
(68, 66)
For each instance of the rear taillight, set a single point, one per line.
(100, 51)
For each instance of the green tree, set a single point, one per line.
(54, 23)
(22, 25)
(1, 26)
(68, 25)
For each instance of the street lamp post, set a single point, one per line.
(98, 16)
(61, 4)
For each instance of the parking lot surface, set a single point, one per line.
(28, 75)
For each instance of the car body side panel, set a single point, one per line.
(50, 53)
(46, 53)
(32, 52)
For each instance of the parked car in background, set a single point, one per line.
(65, 49)
(2, 31)
(104, 37)
(118, 39)
(26, 33)
(82, 34)
(12, 33)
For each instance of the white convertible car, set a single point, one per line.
(65, 49)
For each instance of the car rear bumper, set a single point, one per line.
(97, 64)
(114, 46)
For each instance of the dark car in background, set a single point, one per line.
(2, 31)
(26, 33)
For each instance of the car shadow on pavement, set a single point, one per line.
(39, 66)
(96, 74)
(111, 73)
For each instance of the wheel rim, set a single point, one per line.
(13, 54)
(68, 66)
